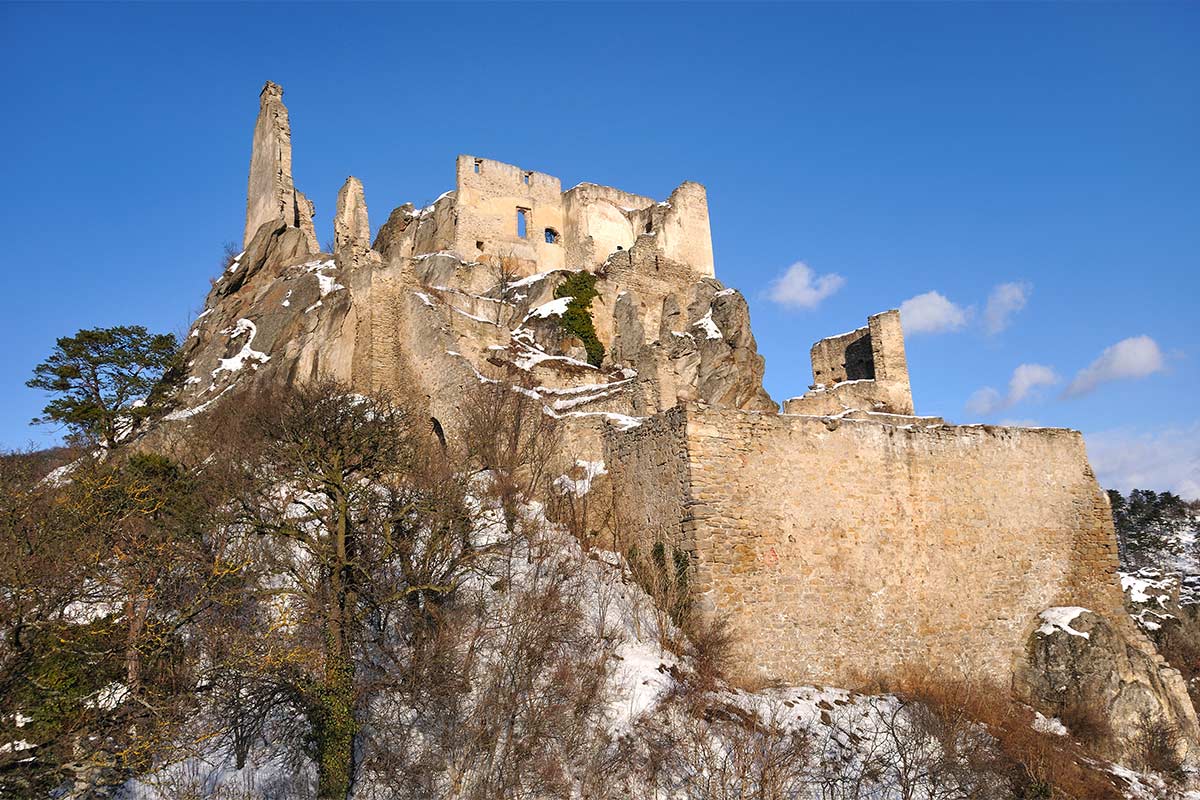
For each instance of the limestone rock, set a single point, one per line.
(351, 227)
(731, 369)
(274, 244)
(271, 193)
(304, 221)
(1112, 668)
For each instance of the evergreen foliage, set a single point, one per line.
(1151, 525)
(577, 320)
(107, 381)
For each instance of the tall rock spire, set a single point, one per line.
(271, 194)
(351, 228)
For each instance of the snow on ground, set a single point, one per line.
(852, 732)
(1051, 725)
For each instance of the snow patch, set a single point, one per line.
(709, 327)
(1059, 618)
(246, 354)
(555, 308)
(591, 470)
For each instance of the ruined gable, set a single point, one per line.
(865, 369)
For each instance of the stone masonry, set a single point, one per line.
(844, 538)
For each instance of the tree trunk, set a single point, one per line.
(334, 724)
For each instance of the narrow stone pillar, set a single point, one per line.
(351, 227)
(271, 193)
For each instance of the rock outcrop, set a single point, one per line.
(1078, 659)
(351, 227)
(271, 193)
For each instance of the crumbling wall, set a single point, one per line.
(601, 220)
(842, 549)
(684, 233)
(489, 197)
(863, 369)
(648, 469)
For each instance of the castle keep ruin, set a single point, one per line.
(843, 537)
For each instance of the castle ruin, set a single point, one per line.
(843, 536)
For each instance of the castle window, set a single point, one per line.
(479, 165)
(526, 177)
(522, 220)
(478, 245)
(551, 236)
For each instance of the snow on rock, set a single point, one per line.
(1149, 595)
(1059, 618)
(1139, 588)
(246, 354)
(555, 308)
(580, 486)
(186, 413)
(530, 280)
(16, 746)
(706, 324)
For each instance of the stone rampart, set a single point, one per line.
(845, 548)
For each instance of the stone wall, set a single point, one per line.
(845, 548)
(490, 195)
(863, 369)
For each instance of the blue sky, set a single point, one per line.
(1047, 149)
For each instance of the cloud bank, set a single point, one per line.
(800, 287)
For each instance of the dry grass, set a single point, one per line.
(1034, 764)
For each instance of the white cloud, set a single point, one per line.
(1027, 378)
(1005, 300)
(931, 313)
(1025, 381)
(1135, 357)
(985, 401)
(800, 287)
(1164, 460)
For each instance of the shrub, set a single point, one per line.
(577, 320)
(1156, 746)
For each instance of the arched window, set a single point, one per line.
(551, 236)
